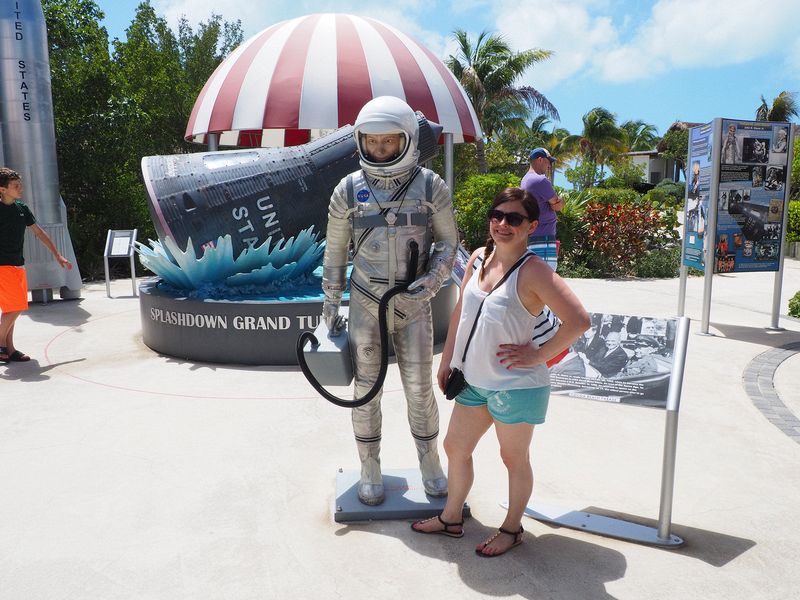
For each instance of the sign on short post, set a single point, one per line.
(120, 244)
(626, 360)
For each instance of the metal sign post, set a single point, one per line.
(778, 285)
(120, 244)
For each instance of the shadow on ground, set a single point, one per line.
(715, 549)
(31, 371)
(757, 335)
(54, 314)
(544, 566)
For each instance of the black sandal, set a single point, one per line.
(446, 531)
(517, 535)
(17, 356)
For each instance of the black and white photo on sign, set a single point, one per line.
(755, 150)
(620, 358)
(757, 176)
(774, 178)
(734, 198)
(765, 249)
(731, 146)
(723, 200)
(695, 215)
(780, 142)
(772, 231)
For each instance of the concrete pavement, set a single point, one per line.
(129, 475)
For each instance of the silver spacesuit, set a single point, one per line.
(375, 213)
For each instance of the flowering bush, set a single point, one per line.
(617, 236)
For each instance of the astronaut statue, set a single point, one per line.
(381, 209)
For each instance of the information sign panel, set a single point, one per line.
(622, 359)
(119, 243)
(752, 195)
(698, 189)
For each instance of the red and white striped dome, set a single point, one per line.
(316, 72)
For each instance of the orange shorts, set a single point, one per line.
(13, 289)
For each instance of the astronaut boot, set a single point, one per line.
(370, 487)
(433, 478)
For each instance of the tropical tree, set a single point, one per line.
(112, 109)
(599, 142)
(784, 107)
(488, 69)
(639, 136)
(518, 142)
(675, 144)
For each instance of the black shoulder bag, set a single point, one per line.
(455, 381)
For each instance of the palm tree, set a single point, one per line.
(487, 69)
(639, 135)
(784, 107)
(601, 139)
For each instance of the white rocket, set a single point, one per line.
(28, 141)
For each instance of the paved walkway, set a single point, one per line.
(130, 475)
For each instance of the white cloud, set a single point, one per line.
(587, 36)
(257, 15)
(599, 39)
(699, 33)
(567, 28)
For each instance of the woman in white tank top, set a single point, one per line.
(507, 379)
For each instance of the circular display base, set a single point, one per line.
(244, 332)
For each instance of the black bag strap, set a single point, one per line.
(515, 266)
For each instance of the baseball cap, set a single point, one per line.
(541, 153)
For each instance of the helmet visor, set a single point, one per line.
(382, 149)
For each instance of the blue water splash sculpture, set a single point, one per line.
(256, 268)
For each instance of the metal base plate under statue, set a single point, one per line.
(405, 498)
(598, 524)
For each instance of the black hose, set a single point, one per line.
(383, 308)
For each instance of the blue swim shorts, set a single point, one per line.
(527, 405)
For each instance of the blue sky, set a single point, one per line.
(660, 61)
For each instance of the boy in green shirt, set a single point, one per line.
(15, 217)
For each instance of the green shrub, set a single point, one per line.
(626, 174)
(658, 263)
(569, 268)
(570, 224)
(613, 195)
(473, 198)
(666, 194)
(793, 226)
(794, 306)
(674, 188)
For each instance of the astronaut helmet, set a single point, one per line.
(382, 116)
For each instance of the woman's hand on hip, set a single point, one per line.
(518, 355)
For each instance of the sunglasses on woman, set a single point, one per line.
(512, 218)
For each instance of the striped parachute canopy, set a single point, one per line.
(315, 73)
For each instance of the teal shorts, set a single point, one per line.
(527, 405)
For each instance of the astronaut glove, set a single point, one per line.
(424, 288)
(333, 320)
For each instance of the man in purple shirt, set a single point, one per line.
(543, 240)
